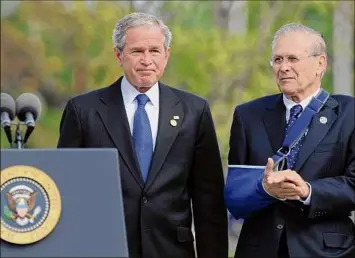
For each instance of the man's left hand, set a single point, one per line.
(290, 176)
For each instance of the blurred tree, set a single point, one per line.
(343, 48)
(230, 15)
(59, 51)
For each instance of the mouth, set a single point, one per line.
(286, 78)
(145, 71)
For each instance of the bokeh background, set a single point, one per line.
(220, 51)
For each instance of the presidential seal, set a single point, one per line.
(30, 204)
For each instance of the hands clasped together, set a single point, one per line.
(284, 184)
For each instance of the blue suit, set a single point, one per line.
(326, 160)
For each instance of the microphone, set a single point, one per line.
(8, 111)
(28, 108)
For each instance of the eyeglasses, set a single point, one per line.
(291, 59)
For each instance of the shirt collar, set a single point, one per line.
(289, 103)
(129, 93)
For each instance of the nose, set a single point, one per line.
(146, 58)
(285, 67)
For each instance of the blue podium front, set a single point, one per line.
(61, 203)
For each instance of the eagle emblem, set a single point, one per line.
(21, 202)
(30, 205)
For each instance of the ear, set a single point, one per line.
(167, 55)
(118, 56)
(321, 64)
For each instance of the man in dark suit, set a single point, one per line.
(168, 151)
(309, 200)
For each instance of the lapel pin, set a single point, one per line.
(323, 120)
(176, 117)
(173, 122)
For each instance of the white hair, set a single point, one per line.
(135, 20)
(318, 46)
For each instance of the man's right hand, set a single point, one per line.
(280, 190)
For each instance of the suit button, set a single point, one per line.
(280, 226)
(145, 200)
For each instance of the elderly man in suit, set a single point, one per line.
(168, 152)
(306, 203)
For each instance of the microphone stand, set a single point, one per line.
(18, 137)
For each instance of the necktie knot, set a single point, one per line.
(295, 110)
(142, 99)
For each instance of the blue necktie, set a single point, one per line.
(142, 136)
(293, 155)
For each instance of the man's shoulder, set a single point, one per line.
(186, 97)
(91, 96)
(344, 100)
(86, 96)
(260, 103)
(345, 108)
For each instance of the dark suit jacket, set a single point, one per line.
(186, 167)
(326, 161)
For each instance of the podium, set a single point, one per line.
(87, 217)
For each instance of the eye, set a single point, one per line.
(292, 59)
(155, 51)
(136, 51)
(277, 60)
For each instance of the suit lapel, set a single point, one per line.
(113, 115)
(275, 121)
(317, 131)
(169, 107)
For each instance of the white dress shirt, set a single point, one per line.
(129, 94)
(290, 104)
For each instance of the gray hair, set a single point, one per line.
(135, 20)
(318, 46)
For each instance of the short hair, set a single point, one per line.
(135, 20)
(318, 46)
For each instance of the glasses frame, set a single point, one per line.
(271, 62)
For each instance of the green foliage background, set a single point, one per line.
(58, 53)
